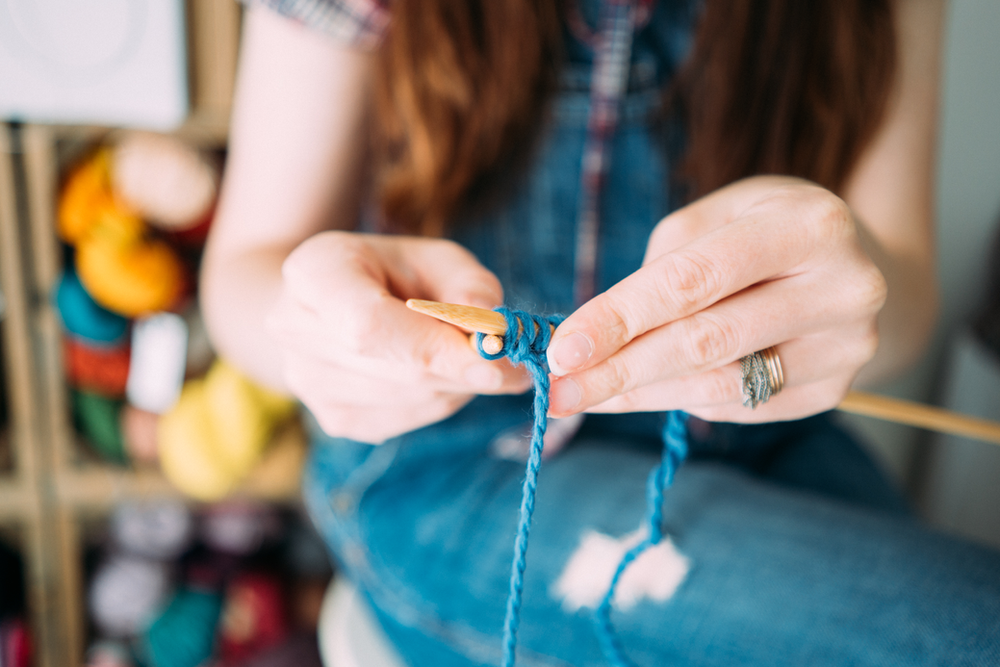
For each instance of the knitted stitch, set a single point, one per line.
(525, 343)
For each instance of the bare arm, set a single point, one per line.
(892, 193)
(296, 152)
(303, 305)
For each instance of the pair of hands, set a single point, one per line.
(765, 261)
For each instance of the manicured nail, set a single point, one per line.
(564, 396)
(569, 353)
(484, 377)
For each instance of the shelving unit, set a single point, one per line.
(51, 491)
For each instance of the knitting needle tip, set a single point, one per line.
(468, 317)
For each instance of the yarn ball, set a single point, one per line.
(85, 318)
(138, 429)
(126, 593)
(170, 183)
(16, 646)
(161, 529)
(217, 431)
(97, 369)
(88, 203)
(254, 617)
(131, 279)
(159, 358)
(184, 634)
(97, 419)
(239, 528)
(108, 653)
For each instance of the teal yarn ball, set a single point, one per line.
(184, 634)
(85, 318)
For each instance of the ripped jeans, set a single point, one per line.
(788, 548)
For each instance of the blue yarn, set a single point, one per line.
(525, 342)
(662, 476)
(85, 318)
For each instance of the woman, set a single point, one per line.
(562, 191)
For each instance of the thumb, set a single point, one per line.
(450, 273)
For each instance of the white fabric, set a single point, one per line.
(349, 635)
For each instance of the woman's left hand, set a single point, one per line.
(767, 261)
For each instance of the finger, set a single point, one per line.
(318, 361)
(345, 279)
(375, 383)
(804, 361)
(445, 271)
(765, 243)
(798, 403)
(713, 211)
(752, 320)
(376, 425)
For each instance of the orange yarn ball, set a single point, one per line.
(87, 202)
(131, 279)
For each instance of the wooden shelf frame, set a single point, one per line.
(51, 490)
(25, 496)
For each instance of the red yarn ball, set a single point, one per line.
(99, 370)
(253, 617)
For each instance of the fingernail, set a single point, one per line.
(564, 396)
(569, 353)
(484, 377)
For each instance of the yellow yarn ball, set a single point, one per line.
(188, 455)
(218, 431)
(247, 411)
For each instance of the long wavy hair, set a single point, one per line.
(795, 87)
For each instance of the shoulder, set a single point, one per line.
(359, 23)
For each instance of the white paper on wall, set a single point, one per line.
(106, 62)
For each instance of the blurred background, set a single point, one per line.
(149, 502)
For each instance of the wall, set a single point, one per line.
(968, 213)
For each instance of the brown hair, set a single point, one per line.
(772, 86)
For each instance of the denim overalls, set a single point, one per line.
(797, 551)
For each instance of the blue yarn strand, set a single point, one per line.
(525, 343)
(660, 478)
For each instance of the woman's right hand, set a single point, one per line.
(365, 365)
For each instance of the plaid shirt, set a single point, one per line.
(612, 44)
(358, 23)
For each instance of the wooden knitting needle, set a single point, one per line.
(470, 317)
(860, 403)
(488, 322)
(922, 416)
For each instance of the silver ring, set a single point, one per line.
(763, 377)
